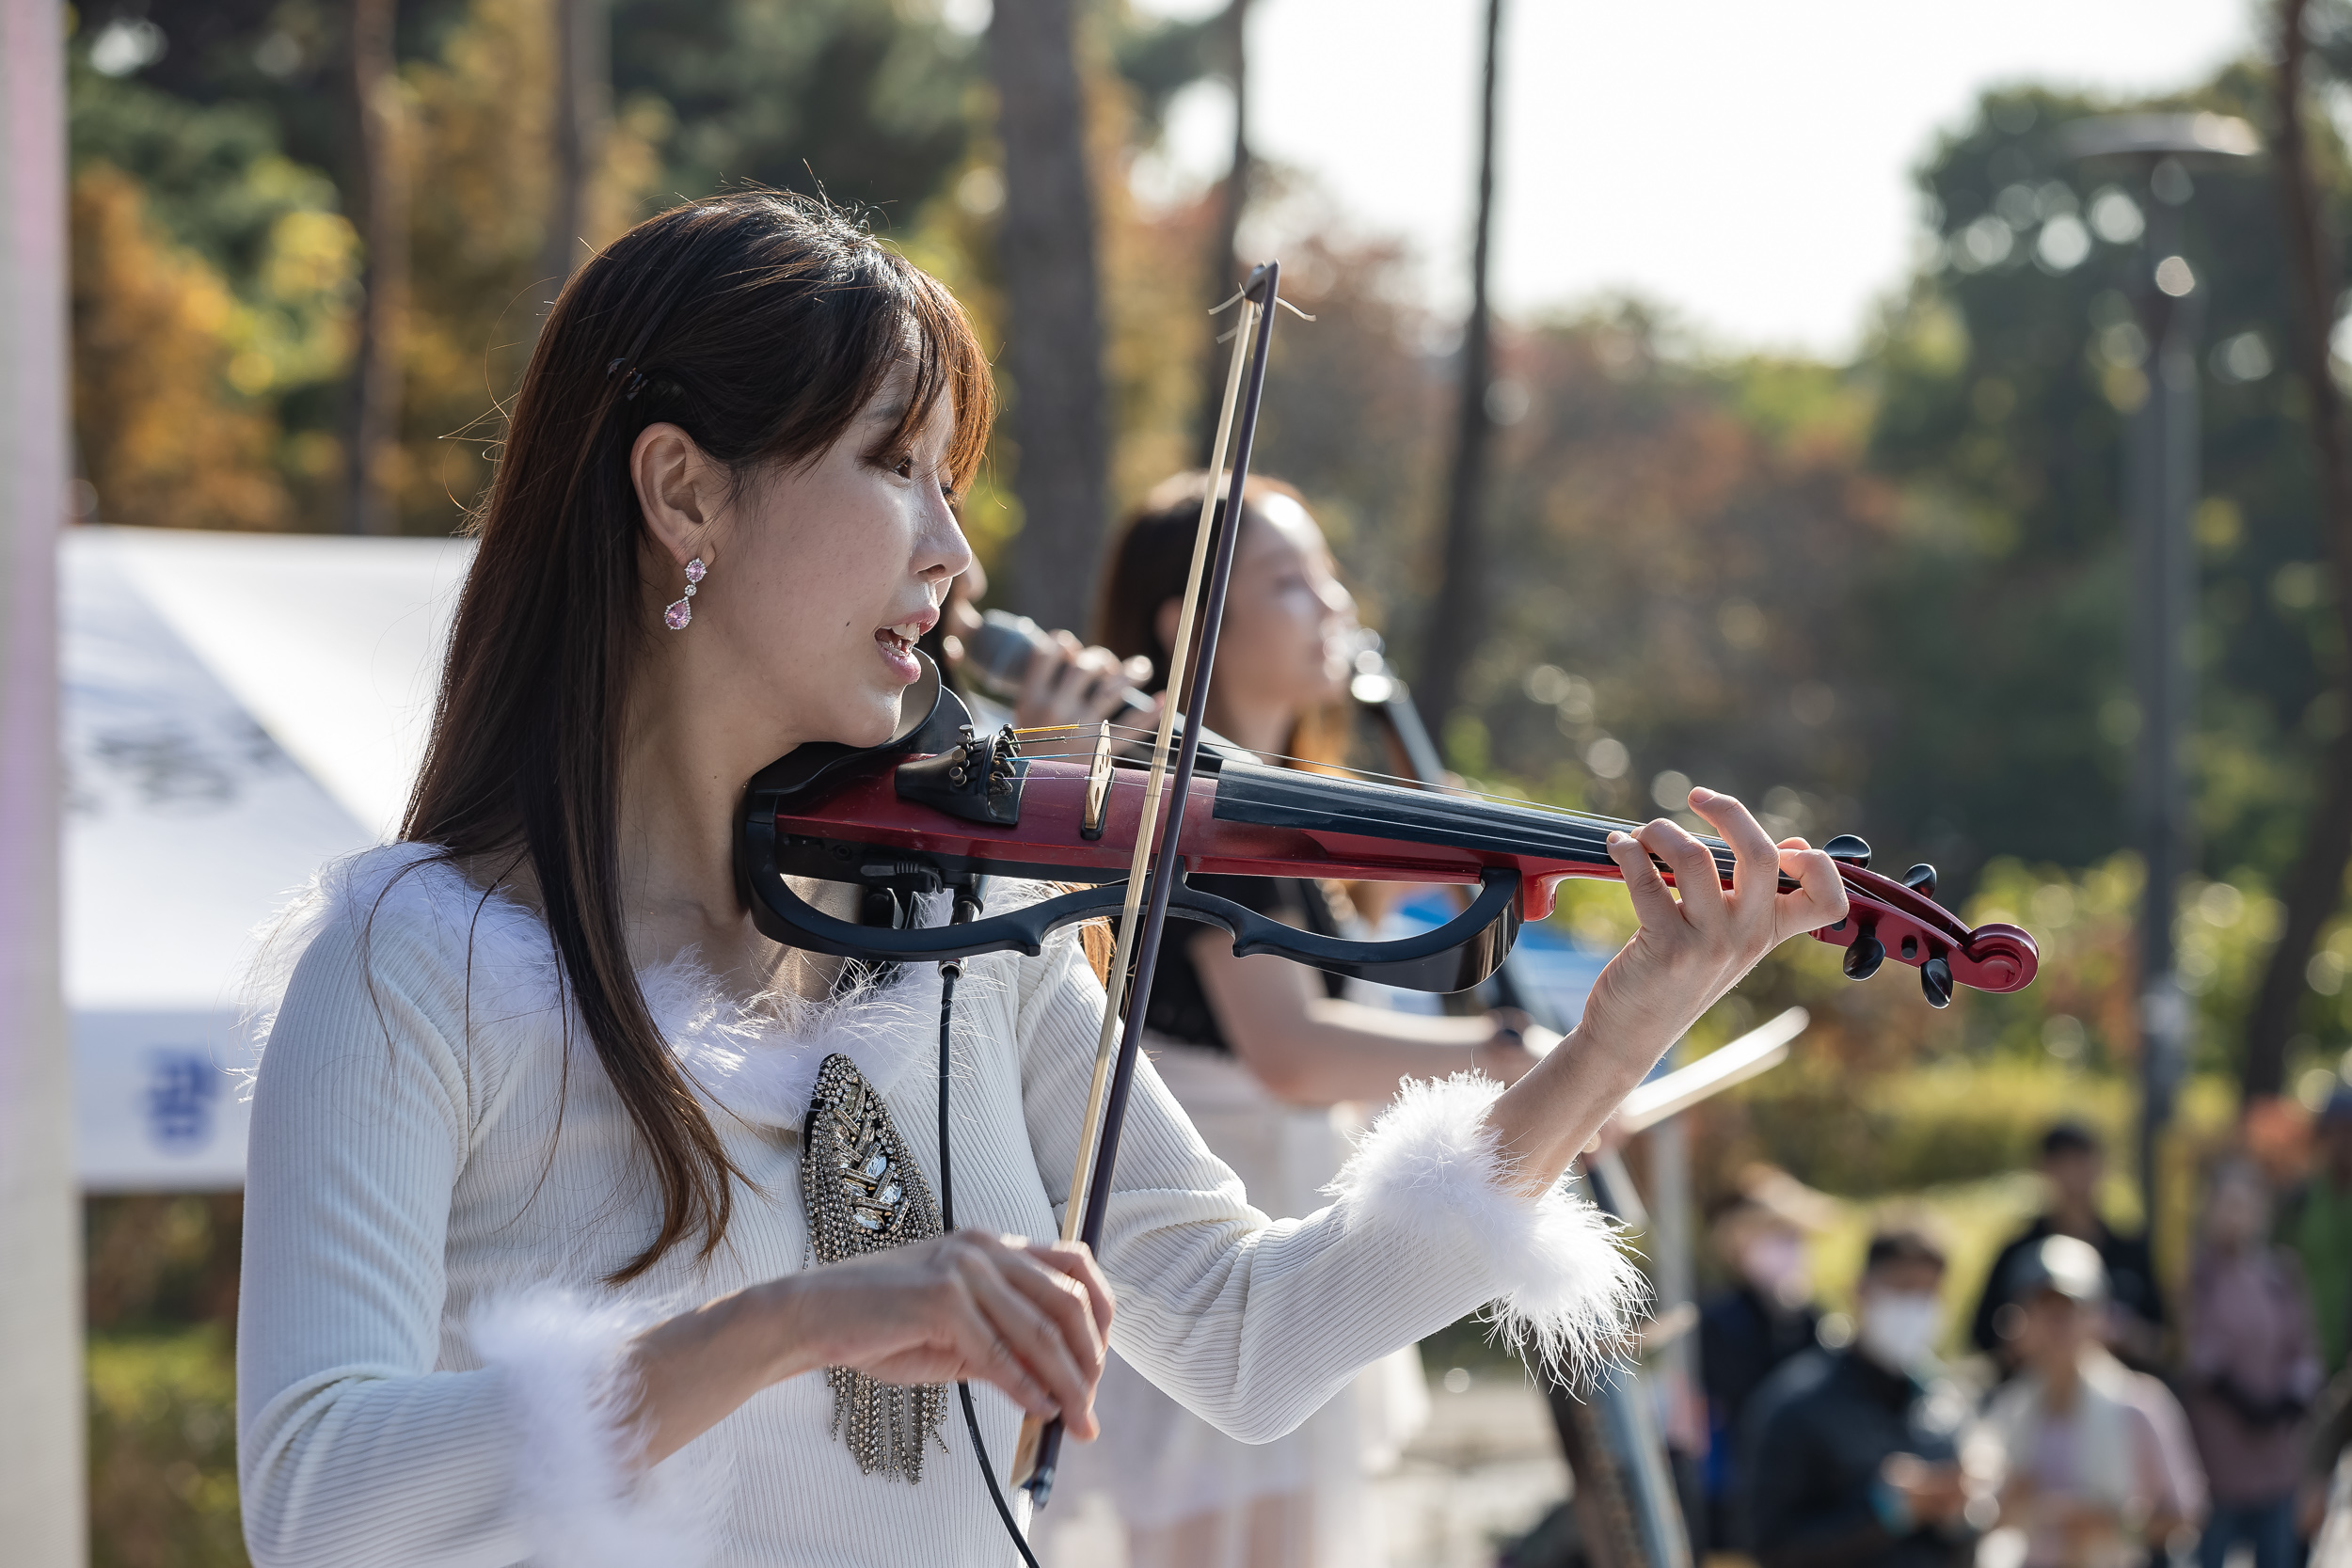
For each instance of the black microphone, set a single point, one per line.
(996, 657)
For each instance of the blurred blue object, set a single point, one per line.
(237, 711)
(1547, 960)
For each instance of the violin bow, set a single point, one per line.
(1152, 873)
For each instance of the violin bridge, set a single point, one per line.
(1098, 807)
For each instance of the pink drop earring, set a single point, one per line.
(681, 614)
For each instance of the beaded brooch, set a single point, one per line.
(863, 1194)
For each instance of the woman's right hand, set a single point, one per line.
(1031, 1317)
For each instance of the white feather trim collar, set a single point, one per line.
(755, 1058)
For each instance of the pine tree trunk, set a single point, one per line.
(583, 108)
(1055, 355)
(2315, 889)
(1456, 609)
(372, 431)
(1226, 267)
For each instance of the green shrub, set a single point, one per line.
(162, 1451)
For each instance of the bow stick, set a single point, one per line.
(1152, 873)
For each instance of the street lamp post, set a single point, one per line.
(2161, 478)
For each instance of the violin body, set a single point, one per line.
(939, 807)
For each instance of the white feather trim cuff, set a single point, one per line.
(1566, 1285)
(582, 1498)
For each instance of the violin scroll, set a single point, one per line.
(1901, 919)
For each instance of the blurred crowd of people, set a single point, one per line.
(2096, 1428)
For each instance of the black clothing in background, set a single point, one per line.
(1180, 1008)
(1742, 1340)
(1817, 1433)
(2131, 1279)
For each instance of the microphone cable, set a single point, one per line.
(949, 973)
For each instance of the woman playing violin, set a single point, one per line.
(531, 1269)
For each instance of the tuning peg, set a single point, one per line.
(1920, 878)
(1864, 958)
(1935, 980)
(1850, 848)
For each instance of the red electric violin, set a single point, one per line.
(941, 805)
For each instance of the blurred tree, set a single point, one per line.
(1225, 268)
(2315, 890)
(372, 431)
(286, 59)
(1353, 406)
(161, 1282)
(156, 1263)
(1684, 540)
(213, 316)
(484, 125)
(163, 1448)
(1157, 57)
(1452, 634)
(1997, 623)
(1047, 242)
(884, 102)
(164, 438)
(867, 102)
(582, 117)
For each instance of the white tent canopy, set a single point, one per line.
(238, 709)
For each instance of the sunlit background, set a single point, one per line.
(1814, 360)
(1748, 166)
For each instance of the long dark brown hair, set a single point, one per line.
(760, 323)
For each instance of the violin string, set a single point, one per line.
(1317, 764)
(1723, 853)
(1368, 775)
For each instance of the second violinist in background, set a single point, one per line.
(1264, 1054)
(1068, 683)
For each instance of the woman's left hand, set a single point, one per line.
(1690, 950)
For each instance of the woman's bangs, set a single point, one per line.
(948, 362)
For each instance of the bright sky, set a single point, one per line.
(1747, 164)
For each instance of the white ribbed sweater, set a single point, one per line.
(429, 1372)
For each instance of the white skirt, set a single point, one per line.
(1157, 1463)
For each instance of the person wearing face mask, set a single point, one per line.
(1762, 1318)
(1852, 1457)
(1262, 1054)
(2099, 1471)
